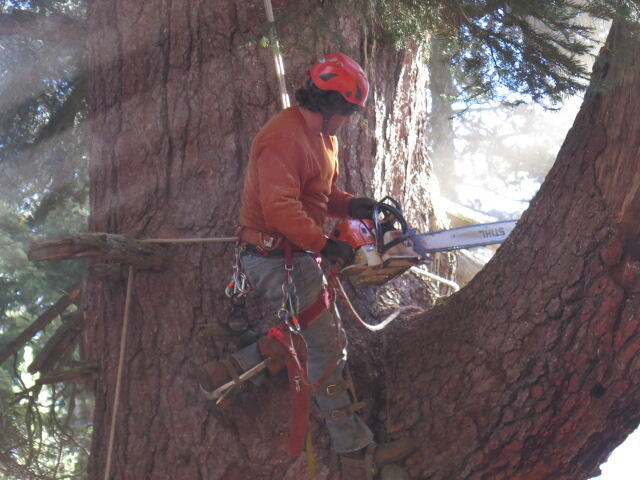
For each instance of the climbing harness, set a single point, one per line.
(239, 286)
(237, 291)
(287, 313)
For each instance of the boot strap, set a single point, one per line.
(233, 371)
(367, 462)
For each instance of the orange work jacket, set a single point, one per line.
(290, 183)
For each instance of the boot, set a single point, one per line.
(365, 463)
(212, 375)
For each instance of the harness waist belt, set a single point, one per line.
(264, 240)
(258, 250)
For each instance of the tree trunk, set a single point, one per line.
(533, 371)
(177, 92)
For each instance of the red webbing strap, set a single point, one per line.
(298, 386)
(313, 311)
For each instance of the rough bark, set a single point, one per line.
(495, 383)
(532, 371)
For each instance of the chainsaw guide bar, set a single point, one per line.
(376, 262)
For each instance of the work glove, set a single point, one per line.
(337, 251)
(361, 207)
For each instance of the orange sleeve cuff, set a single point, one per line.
(338, 205)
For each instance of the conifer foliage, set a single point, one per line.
(531, 49)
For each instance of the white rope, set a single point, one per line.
(278, 61)
(116, 398)
(190, 240)
(335, 281)
(433, 276)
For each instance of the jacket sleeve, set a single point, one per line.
(280, 180)
(338, 205)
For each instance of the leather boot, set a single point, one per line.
(364, 464)
(212, 375)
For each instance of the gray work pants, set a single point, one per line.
(266, 275)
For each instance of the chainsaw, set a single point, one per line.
(386, 246)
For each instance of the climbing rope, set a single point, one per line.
(335, 281)
(123, 336)
(437, 278)
(190, 240)
(278, 61)
(116, 399)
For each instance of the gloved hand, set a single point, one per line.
(361, 207)
(337, 251)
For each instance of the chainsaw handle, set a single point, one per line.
(383, 207)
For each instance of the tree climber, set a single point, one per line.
(289, 190)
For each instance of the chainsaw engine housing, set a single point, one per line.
(370, 266)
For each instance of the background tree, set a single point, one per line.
(495, 147)
(43, 190)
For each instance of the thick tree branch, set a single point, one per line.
(105, 246)
(59, 344)
(78, 373)
(41, 322)
(532, 370)
(56, 27)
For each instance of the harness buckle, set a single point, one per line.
(335, 389)
(290, 321)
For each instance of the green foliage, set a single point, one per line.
(42, 109)
(508, 49)
(43, 421)
(43, 193)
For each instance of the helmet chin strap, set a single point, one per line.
(325, 123)
(326, 117)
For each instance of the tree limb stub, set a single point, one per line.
(105, 246)
(41, 322)
(69, 375)
(59, 344)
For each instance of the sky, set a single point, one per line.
(624, 462)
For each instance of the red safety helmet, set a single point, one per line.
(340, 73)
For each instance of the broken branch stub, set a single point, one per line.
(40, 323)
(105, 246)
(59, 345)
